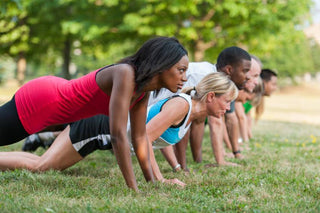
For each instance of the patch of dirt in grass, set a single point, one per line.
(299, 104)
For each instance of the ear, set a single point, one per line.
(227, 70)
(210, 97)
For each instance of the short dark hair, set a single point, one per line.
(266, 74)
(232, 56)
(155, 56)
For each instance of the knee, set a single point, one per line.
(40, 167)
(32, 165)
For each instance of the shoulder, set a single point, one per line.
(186, 97)
(201, 67)
(178, 104)
(123, 70)
(117, 73)
(197, 70)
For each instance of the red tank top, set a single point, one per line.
(51, 100)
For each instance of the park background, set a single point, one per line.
(69, 38)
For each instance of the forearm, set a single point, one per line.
(180, 151)
(226, 138)
(232, 127)
(121, 150)
(155, 168)
(216, 135)
(249, 125)
(141, 148)
(169, 155)
(243, 127)
(196, 137)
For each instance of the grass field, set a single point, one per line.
(279, 174)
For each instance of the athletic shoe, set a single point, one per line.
(32, 143)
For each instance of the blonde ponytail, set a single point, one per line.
(217, 82)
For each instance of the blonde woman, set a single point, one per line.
(167, 122)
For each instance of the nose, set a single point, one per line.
(184, 76)
(228, 106)
(256, 81)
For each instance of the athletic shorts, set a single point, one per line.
(90, 134)
(232, 108)
(11, 129)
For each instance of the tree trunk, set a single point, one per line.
(201, 48)
(21, 68)
(66, 58)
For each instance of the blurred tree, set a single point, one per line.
(315, 52)
(14, 34)
(92, 33)
(291, 54)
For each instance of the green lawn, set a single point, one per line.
(280, 174)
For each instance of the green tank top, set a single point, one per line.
(247, 106)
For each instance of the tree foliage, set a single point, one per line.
(90, 33)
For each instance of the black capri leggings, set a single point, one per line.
(11, 129)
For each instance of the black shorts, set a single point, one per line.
(90, 134)
(11, 129)
(232, 108)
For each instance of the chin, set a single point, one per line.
(173, 90)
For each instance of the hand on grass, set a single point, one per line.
(229, 155)
(226, 163)
(174, 181)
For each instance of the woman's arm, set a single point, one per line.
(172, 113)
(121, 94)
(156, 170)
(169, 155)
(138, 116)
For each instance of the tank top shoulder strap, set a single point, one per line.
(188, 99)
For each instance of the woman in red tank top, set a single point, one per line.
(113, 90)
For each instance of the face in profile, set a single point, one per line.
(218, 105)
(253, 74)
(270, 86)
(239, 73)
(174, 78)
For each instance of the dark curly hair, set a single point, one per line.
(155, 56)
(232, 56)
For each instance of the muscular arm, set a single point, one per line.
(121, 94)
(169, 155)
(233, 131)
(140, 142)
(216, 135)
(242, 121)
(249, 124)
(216, 126)
(226, 138)
(172, 113)
(196, 137)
